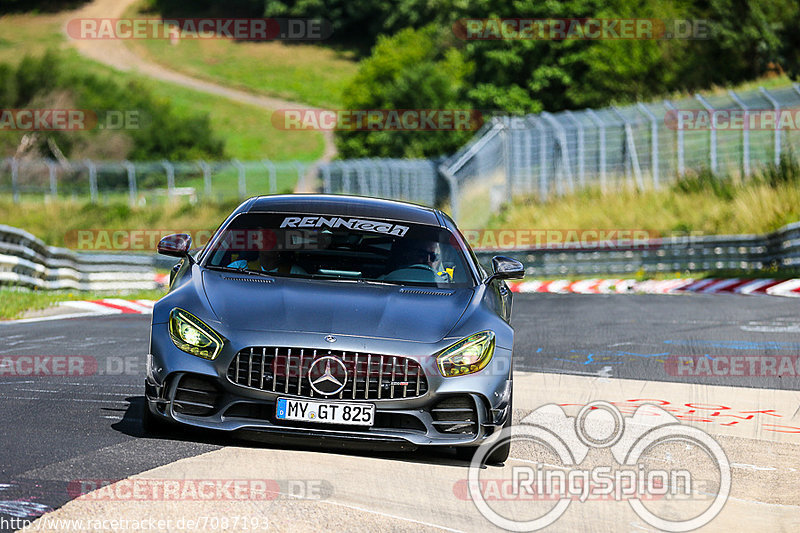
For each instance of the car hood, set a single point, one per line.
(345, 308)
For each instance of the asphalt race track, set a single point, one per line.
(59, 429)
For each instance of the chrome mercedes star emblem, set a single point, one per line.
(327, 380)
(330, 338)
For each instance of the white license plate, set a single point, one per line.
(352, 414)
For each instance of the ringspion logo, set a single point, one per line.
(542, 490)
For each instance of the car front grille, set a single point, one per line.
(369, 376)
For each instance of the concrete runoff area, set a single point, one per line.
(362, 493)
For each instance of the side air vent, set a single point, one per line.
(196, 395)
(251, 280)
(426, 292)
(455, 414)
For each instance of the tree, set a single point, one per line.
(410, 70)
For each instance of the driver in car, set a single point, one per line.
(428, 255)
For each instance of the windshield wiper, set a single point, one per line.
(241, 270)
(381, 282)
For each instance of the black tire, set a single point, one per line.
(152, 424)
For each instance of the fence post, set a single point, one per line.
(653, 143)
(242, 177)
(379, 170)
(273, 177)
(347, 180)
(325, 170)
(745, 134)
(678, 137)
(452, 181)
(363, 188)
(581, 149)
(406, 172)
(543, 186)
(206, 176)
(131, 181)
(712, 132)
(777, 139)
(170, 178)
(505, 138)
(630, 148)
(301, 169)
(92, 179)
(15, 179)
(562, 140)
(601, 127)
(52, 170)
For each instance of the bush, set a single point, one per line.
(785, 173)
(703, 181)
(43, 83)
(410, 70)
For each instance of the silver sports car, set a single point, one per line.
(334, 318)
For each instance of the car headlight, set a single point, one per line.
(467, 356)
(192, 335)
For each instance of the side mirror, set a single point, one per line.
(506, 268)
(177, 245)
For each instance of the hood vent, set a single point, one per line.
(251, 280)
(427, 292)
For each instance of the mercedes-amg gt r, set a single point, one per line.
(335, 317)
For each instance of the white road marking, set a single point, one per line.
(21, 398)
(54, 317)
(387, 515)
(752, 467)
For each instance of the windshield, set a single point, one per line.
(333, 247)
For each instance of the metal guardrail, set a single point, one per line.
(28, 262)
(779, 250)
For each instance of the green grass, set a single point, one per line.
(247, 130)
(37, 218)
(308, 73)
(14, 303)
(29, 34)
(701, 203)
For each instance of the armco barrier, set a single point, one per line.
(28, 262)
(777, 251)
